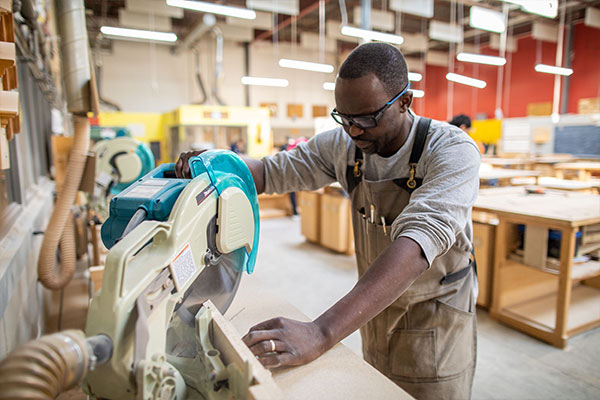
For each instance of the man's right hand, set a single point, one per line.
(182, 167)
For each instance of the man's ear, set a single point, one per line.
(405, 101)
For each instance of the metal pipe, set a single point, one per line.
(558, 63)
(218, 64)
(247, 72)
(568, 58)
(75, 54)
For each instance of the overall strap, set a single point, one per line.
(411, 183)
(354, 172)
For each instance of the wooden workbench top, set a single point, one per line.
(337, 374)
(560, 208)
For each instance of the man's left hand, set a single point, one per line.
(282, 342)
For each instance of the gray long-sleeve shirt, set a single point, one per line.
(438, 215)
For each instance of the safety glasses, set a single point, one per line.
(365, 121)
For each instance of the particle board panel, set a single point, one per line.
(339, 374)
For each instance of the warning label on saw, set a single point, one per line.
(183, 267)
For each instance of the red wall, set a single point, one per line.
(522, 84)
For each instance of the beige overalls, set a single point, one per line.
(426, 340)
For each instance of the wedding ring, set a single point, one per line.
(272, 345)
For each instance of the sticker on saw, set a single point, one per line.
(183, 267)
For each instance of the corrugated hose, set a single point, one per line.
(61, 227)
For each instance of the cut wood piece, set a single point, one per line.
(536, 245)
(5, 6)
(7, 56)
(228, 341)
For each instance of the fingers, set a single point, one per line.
(269, 346)
(275, 360)
(254, 337)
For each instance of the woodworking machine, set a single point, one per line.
(174, 244)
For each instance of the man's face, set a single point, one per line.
(366, 95)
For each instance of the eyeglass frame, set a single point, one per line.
(374, 116)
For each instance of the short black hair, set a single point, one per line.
(381, 59)
(461, 119)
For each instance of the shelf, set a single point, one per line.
(583, 311)
(586, 270)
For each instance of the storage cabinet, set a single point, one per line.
(551, 299)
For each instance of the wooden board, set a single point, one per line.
(339, 374)
(536, 245)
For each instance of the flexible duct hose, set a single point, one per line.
(60, 226)
(43, 368)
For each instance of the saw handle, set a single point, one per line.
(114, 272)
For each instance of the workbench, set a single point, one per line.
(337, 374)
(547, 298)
(584, 170)
(503, 176)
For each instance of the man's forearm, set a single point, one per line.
(387, 278)
(257, 169)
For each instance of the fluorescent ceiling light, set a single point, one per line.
(212, 8)
(465, 80)
(415, 77)
(480, 59)
(371, 35)
(487, 20)
(417, 93)
(546, 8)
(551, 69)
(252, 80)
(125, 33)
(329, 85)
(305, 65)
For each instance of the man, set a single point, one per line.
(412, 191)
(462, 121)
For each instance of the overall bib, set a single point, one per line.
(426, 340)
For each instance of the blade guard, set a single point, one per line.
(226, 170)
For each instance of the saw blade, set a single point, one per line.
(217, 283)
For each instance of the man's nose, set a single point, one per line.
(354, 131)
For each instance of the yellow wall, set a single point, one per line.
(145, 127)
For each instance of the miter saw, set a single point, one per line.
(174, 243)
(119, 162)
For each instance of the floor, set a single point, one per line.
(510, 365)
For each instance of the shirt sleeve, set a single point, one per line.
(308, 166)
(440, 209)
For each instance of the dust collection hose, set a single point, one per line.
(60, 228)
(46, 367)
